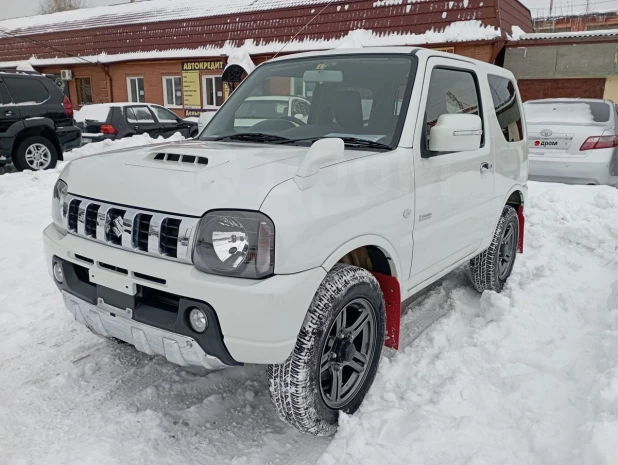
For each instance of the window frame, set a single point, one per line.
(205, 106)
(425, 152)
(129, 79)
(167, 104)
(80, 78)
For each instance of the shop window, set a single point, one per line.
(84, 91)
(135, 86)
(213, 91)
(172, 91)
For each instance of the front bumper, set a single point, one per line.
(571, 171)
(259, 319)
(176, 348)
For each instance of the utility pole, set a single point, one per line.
(551, 7)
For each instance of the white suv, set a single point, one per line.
(295, 243)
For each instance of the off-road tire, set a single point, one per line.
(294, 388)
(19, 160)
(484, 267)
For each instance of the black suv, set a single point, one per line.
(36, 121)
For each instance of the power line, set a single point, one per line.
(571, 5)
(49, 47)
(303, 28)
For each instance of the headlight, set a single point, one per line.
(235, 243)
(58, 204)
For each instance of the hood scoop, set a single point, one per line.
(177, 158)
(191, 159)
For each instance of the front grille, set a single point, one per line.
(157, 234)
(90, 227)
(169, 236)
(73, 214)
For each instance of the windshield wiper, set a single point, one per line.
(348, 141)
(251, 137)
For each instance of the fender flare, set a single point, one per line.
(365, 241)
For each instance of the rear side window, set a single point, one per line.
(508, 112)
(567, 112)
(26, 90)
(5, 98)
(139, 115)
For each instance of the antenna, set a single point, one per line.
(304, 27)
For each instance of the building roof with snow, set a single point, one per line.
(180, 28)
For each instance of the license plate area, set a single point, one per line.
(561, 143)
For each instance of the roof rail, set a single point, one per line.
(17, 71)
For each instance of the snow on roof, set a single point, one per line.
(564, 35)
(142, 12)
(461, 31)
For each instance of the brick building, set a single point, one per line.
(190, 57)
(577, 23)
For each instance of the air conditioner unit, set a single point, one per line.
(66, 74)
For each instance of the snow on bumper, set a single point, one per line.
(571, 171)
(260, 319)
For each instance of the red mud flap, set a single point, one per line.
(392, 299)
(522, 225)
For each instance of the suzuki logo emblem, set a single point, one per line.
(115, 227)
(546, 132)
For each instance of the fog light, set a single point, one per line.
(58, 274)
(198, 320)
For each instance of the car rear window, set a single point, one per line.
(567, 112)
(97, 113)
(26, 91)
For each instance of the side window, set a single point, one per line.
(163, 115)
(84, 91)
(507, 108)
(139, 115)
(135, 87)
(450, 91)
(26, 91)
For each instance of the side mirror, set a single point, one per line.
(456, 132)
(322, 151)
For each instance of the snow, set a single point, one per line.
(459, 31)
(241, 58)
(526, 377)
(556, 112)
(141, 12)
(92, 112)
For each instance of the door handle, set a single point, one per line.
(486, 166)
(136, 128)
(8, 113)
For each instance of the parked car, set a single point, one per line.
(36, 121)
(293, 243)
(117, 120)
(573, 141)
(266, 107)
(204, 119)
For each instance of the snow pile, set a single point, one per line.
(528, 376)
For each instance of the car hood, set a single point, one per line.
(164, 177)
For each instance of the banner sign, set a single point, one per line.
(203, 65)
(192, 97)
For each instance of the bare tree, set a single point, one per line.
(54, 6)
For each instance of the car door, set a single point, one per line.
(9, 115)
(142, 121)
(170, 123)
(454, 189)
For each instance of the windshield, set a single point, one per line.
(360, 98)
(567, 112)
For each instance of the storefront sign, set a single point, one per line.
(189, 113)
(203, 65)
(192, 97)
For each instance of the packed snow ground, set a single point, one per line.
(526, 377)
